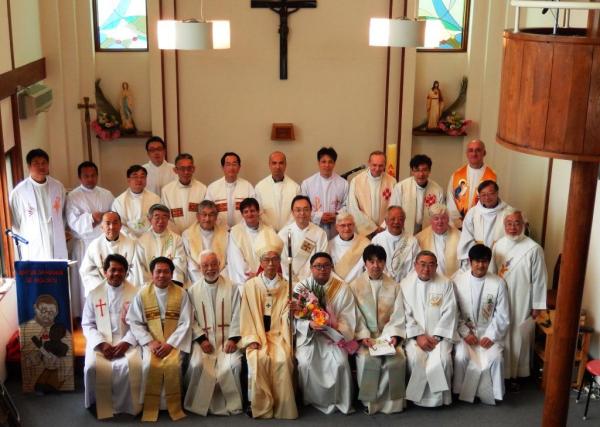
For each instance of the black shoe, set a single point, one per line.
(248, 411)
(514, 387)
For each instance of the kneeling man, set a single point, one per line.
(213, 374)
(431, 315)
(113, 361)
(482, 325)
(160, 318)
(380, 318)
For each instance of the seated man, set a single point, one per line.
(482, 324)
(346, 248)
(431, 315)
(113, 360)
(205, 234)
(160, 241)
(441, 238)
(244, 240)
(400, 246)
(213, 375)
(267, 338)
(323, 370)
(160, 318)
(133, 204)
(306, 240)
(380, 317)
(111, 242)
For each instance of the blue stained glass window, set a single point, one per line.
(447, 21)
(120, 25)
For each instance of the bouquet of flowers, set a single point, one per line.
(311, 303)
(106, 127)
(454, 125)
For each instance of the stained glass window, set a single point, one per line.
(120, 25)
(447, 23)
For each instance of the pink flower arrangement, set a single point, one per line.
(310, 308)
(105, 127)
(454, 125)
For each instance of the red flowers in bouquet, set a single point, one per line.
(309, 307)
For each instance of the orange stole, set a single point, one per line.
(460, 188)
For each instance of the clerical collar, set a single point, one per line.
(477, 280)
(476, 169)
(380, 280)
(39, 184)
(374, 178)
(112, 241)
(326, 178)
(301, 229)
(211, 284)
(277, 180)
(135, 195)
(350, 240)
(161, 291)
(252, 229)
(269, 283)
(206, 233)
(421, 187)
(182, 185)
(230, 184)
(158, 234)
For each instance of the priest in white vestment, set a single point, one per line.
(267, 338)
(133, 204)
(417, 194)
(370, 194)
(159, 241)
(483, 322)
(401, 247)
(112, 241)
(160, 172)
(520, 261)
(212, 378)
(346, 249)
(204, 234)
(305, 238)
(229, 191)
(113, 360)
(462, 186)
(484, 223)
(321, 351)
(244, 240)
(431, 318)
(37, 210)
(183, 195)
(275, 193)
(441, 238)
(381, 322)
(84, 209)
(160, 318)
(326, 190)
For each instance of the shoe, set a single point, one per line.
(514, 387)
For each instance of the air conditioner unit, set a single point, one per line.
(35, 99)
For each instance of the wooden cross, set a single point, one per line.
(87, 106)
(101, 304)
(223, 324)
(284, 8)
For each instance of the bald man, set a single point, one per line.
(275, 193)
(462, 187)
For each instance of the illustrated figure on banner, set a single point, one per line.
(435, 105)
(126, 109)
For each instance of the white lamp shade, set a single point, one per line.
(193, 35)
(396, 32)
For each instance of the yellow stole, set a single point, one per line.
(167, 369)
(426, 242)
(460, 188)
(219, 243)
(352, 256)
(363, 196)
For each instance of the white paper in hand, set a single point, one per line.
(382, 348)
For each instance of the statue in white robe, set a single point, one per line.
(183, 194)
(160, 241)
(381, 379)
(84, 209)
(323, 369)
(347, 248)
(520, 261)
(431, 318)
(484, 223)
(213, 375)
(482, 325)
(160, 318)
(113, 360)
(111, 242)
(160, 172)
(370, 194)
(275, 193)
(401, 248)
(204, 235)
(37, 211)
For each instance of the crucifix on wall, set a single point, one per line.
(284, 8)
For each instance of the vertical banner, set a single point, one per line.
(45, 325)
(391, 155)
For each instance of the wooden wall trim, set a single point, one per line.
(387, 85)
(24, 76)
(5, 221)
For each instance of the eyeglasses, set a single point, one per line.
(186, 168)
(321, 267)
(272, 260)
